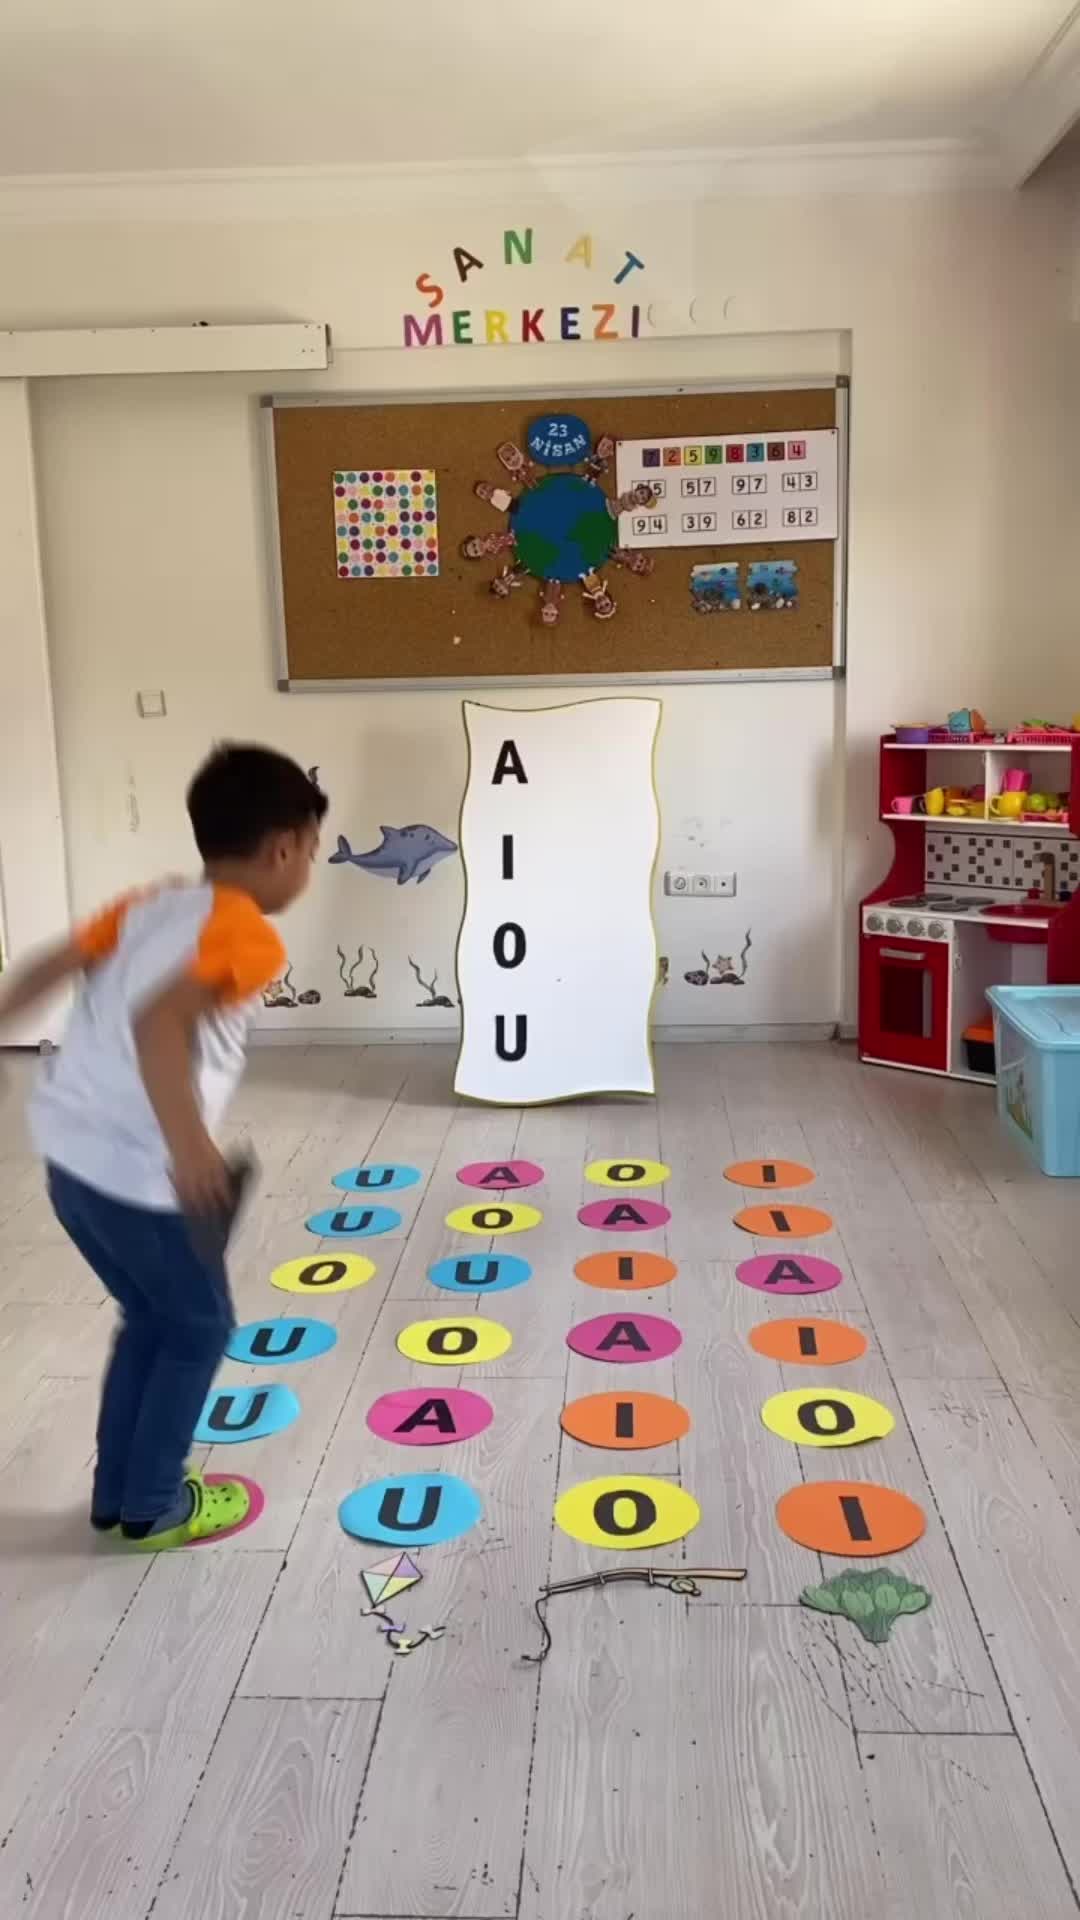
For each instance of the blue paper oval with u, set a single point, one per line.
(353, 1223)
(411, 1509)
(480, 1273)
(559, 440)
(276, 1343)
(245, 1413)
(376, 1177)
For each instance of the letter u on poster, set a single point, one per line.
(559, 833)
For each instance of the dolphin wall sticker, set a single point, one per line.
(408, 852)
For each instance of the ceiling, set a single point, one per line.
(128, 87)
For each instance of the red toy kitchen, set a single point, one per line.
(983, 890)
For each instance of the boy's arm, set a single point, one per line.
(37, 978)
(164, 1037)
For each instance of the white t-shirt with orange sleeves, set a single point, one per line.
(90, 1113)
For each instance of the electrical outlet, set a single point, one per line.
(702, 886)
(676, 881)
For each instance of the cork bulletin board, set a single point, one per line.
(420, 612)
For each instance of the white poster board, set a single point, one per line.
(557, 952)
(728, 490)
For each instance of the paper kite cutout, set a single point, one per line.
(389, 1577)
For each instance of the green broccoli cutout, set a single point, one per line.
(872, 1599)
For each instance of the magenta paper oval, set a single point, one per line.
(629, 1337)
(501, 1176)
(788, 1273)
(624, 1216)
(429, 1417)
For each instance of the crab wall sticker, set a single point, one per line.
(563, 528)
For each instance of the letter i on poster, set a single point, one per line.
(557, 954)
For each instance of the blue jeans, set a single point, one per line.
(176, 1315)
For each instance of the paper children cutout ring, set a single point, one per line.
(353, 1223)
(328, 1273)
(411, 1509)
(854, 1518)
(770, 1174)
(493, 1218)
(245, 1413)
(626, 1272)
(453, 1343)
(808, 1342)
(627, 1173)
(826, 1417)
(794, 1273)
(629, 1420)
(625, 1337)
(480, 1273)
(624, 1216)
(376, 1177)
(783, 1222)
(626, 1510)
(416, 1417)
(276, 1343)
(500, 1176)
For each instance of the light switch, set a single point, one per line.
(151, 704)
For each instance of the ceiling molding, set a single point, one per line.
(668, 177)
(1044, 106)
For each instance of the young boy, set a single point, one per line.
(124, 1121)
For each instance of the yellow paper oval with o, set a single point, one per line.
(492, 1219)
(826, 1417)
(460, 1342)
(326, 1273)
(627, 1173)
(626, 1510)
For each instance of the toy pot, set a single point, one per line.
(1016, 781)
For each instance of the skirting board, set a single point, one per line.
(447, 1036)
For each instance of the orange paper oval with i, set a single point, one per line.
(808, 1342)
(781, 1222)
(768, 1173)
(625, 1420)
(626, 1272)
(853, 1518)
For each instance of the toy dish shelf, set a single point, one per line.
(904, 769)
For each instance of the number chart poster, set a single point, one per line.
(731, 490)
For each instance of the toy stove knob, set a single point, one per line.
(937, 930)
(915, 927)
(893, 925)
(874, 923)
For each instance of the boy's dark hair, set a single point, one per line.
(241, 794)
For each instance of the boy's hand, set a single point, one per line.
(202, 1179)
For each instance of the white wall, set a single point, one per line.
(955, 313)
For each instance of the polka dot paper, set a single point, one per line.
(386, 523)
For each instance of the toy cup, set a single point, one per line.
(1016, 781)
(935, 800)
(904, 803)
(1007, 806)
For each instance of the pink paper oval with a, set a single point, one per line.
(429, 1416)
(629, 1337)
(624, 1215)
(500, 1176)
(789, 1273)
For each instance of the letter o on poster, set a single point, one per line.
(780, 1222)
(826, 1417)
(453, 1343)
(624, 1216)
(626, 1510)
(854, 1518)
(416, 1417)
(501, 1176)
(245, 1413)
(330, 1273)
(376, 1177)
(625, 1337)
(627, 1173)
(411, 1509)
(794, 1273)
(808, 1342)
(353, 1223)
(627, 1420)
(768, 1174)
(494, 1219)
(626, 1272)
(480, 1273)
(276, 1343)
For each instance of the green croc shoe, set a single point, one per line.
(217, 1509)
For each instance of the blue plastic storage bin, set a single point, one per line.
(1037, 1042)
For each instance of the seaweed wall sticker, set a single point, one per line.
(434, 999)
(721, 971)
(282, 993)
(366, 990)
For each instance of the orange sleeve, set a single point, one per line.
(238, 952)
(99, 936)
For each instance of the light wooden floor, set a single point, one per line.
(218, 1735)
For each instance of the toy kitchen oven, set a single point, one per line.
(972, 900)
